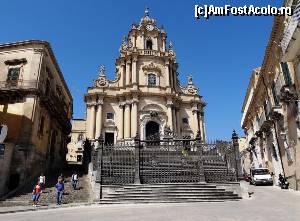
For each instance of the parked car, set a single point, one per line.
(260, 176)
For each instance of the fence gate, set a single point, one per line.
(171, 161)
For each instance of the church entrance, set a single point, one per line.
(152, 131)
(109, 138)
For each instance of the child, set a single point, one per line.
(36, 193)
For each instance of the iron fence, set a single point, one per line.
(165, 161)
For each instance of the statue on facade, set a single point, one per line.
(101, 80)
(168, 131)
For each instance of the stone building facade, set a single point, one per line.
(146, 97)
(76, 145)
(271, 108)
(36, 105)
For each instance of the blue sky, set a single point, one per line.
(220, 52)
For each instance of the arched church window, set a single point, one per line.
(149, 44)
(151, 79)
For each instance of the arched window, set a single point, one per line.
(151, 79)
(149, 44)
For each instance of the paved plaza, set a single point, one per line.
(266, 203)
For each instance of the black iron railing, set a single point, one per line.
(165, 161)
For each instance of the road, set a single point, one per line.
(266, 203)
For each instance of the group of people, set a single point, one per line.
(59, 187)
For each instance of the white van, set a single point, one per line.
(260, 176)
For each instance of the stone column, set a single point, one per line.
(196, 122)
(88, 123)
(174, 78)
(91, 120)
(99, 119)
(174, 118)
(134, 118)
(178, 120)
(167, 74)
(143, 41)
(128, 72)
(155, 43)
(203, 136)
(121, 129)
(163, 44)
(133, 72)
(171, 76)
(123, 74)
(134, 42)
(127, 120)
(201, 125)
(169, 115)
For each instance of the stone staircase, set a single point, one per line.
(166, 193)
(80, 195)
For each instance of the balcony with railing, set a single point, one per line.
(149, 52)
(12, 91)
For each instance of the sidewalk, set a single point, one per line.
(16, 209)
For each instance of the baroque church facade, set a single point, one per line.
(146, 97)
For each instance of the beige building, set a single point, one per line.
(146, 96)
(36, 106)
(76, 145)
(271, 107)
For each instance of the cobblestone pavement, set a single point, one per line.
(266, 203)
(81, 194)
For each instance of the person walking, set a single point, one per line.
(59, 190)
(74, 180)
(42, 180)
(36, 193)
(61, 176)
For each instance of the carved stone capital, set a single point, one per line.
(170, 104)
(134, 59)
(196, 111)
(99, 102)
(122, 104)
(92, 104)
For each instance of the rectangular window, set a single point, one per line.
(286, 73)
(109, 116)
(275, 95)
(185, 120)
(151, 79)
(13, 74)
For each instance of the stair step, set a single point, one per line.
(166, 201)
(167, 196)
(171, 199)
(168, 190)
